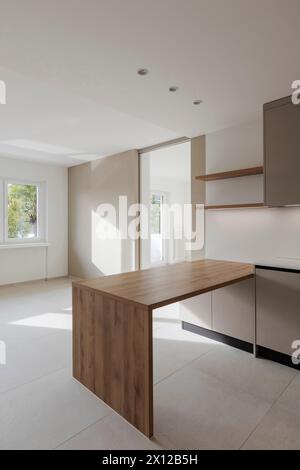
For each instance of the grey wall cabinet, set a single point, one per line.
(282, 153)
(278, 309)
(233, 310)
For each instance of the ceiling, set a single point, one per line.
(73, 93)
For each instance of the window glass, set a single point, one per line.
(22, 216)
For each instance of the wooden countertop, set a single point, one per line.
(163, 285)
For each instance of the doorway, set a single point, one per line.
(165, 188)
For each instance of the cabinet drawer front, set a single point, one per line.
(278, 309)
(233, 310)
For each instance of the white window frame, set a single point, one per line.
(41, 213)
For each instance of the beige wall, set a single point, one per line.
(91, 184)
(198, 167)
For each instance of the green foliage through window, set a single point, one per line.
(22, 210)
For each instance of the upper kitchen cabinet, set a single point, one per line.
(282, 153)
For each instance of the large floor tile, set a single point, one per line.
(207, 396)
(279, 430)
(185, 345)
(112, 433)
(23, 301)
(174, 347)
(198, 411)
(29, 360)
(164, 364)
(290, 398)
(14, 333)
(262, 378)
(47, 412)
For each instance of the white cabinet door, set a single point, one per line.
(233, 310)
(278, 309)
(197, 310)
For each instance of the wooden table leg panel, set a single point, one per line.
(112, 354)
(83, 337)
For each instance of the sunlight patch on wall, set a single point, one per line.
(106, 245)
(59, 321)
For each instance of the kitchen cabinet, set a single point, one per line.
(277, 309)
(228, 310)
(197, 310)
(233, 310)
(281, 153)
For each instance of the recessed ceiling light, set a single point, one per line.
(196, 102)
(173, 89)
(143, 72)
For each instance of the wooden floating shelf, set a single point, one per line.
(235, 206)
(256, 170)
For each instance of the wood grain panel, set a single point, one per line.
(256, 170)
(83, 337)
(160, 286)
(112, 329)
(112, 354)
(235, 206)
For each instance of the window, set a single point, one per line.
(22, 208)
(22, 212)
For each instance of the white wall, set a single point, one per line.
(255, 235)
(25, 264)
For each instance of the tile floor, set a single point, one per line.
(207, 395)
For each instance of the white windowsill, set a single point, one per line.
(9, 246)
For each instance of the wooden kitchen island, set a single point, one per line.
(112, 328)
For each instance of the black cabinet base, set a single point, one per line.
(276, 356)
(236, 343)
(265, 353)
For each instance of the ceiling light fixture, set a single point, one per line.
(172, 89)
(143, 72)
(196, 102)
